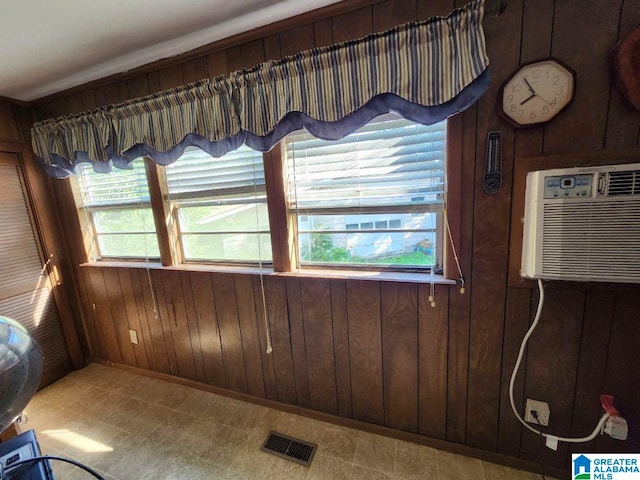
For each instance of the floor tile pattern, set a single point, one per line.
(131, 427)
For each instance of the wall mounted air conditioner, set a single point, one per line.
(583, 224)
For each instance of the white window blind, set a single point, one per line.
(198, 175)
(388, 162)
(373, 199)
(219, 205)
(116, 208)
(119, 187)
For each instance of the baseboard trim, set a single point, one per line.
(436, 443)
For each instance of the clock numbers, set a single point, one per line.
(537, 92)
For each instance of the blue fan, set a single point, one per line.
(20, 370)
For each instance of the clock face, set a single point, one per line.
(537, 92)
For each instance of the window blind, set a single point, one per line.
(120, 220)
(196, 174)
(119, 187)
(386, 163)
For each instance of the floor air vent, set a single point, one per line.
(289, 448)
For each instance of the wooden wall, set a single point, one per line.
(376, 351)
(14, 121)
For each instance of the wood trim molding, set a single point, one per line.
(522, 166)
(454, 194)
(273, 185)
(161, 212)
(274, 170)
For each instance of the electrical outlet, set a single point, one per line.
(541, 409)
(133, 335)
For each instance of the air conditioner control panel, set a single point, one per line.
(568, 186)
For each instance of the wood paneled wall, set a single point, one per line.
(376, 351)
(15, 121)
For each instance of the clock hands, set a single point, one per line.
(529, 86)
(533, 93)
(536, 92)
(545, 100)
(528, 98)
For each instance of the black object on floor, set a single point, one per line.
(289, 448)
(21, 448)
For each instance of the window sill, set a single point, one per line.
(122, 264)
(406, 277)
(186, 267)
(409, 277)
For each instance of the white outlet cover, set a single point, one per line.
(542, 408)
(134, 336)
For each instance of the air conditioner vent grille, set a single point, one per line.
(591, 239)
(289, 448)
(624, 183)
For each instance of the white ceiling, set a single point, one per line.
(50, 45)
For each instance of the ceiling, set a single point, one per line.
(50, 46)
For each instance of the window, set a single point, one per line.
(374, 197)
(219, 206)
(115, 210)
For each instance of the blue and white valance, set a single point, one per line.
(419, 70)
(68, 140)
(424, 71)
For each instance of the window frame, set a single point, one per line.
(438, 230)
(283, 224)
(171, 211)
(89, 228)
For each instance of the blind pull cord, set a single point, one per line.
(267, 328)
(455, 253)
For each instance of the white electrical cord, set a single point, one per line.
(523, 347)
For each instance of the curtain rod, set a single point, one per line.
(494, 8)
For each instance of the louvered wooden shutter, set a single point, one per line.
(25, 291)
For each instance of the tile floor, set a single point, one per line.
(131, 427)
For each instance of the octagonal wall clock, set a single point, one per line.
(537, 92)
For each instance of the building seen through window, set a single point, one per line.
(373, 198)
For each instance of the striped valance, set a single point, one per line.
(72, 138)
(339, 88)
(202, 113)
(425, 71)
(159, 125)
